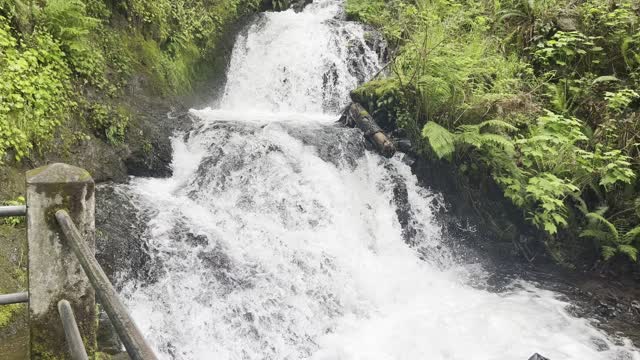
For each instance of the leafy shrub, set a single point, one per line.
(108, 123)
(459, 63)
(67, 21)
(609, 238)
(444, 142)
(93, 47)
(34, 93)
(554, 166)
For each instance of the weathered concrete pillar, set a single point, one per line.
(54, 271)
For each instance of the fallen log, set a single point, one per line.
(356, 116)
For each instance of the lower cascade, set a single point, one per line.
(278, 235)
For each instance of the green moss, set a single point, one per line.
(20, 274)
(7, 312)
(38, 352)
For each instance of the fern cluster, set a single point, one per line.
(545, 100)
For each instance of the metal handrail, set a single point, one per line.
(131, 337)
(16, 298)
(7, 211)
(71, 332)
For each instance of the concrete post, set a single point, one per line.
(54, 271)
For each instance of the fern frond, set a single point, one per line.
(608, 252)
(629, 250)
(599, 220)
(498, 124)
(442, 141)
(580, 203)
(631, 235)
(470, 138)
(599, 235)
(498, 141)
(601, 210)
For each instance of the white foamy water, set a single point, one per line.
(278, 235)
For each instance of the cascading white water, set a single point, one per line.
(278, 237)
(289, 62)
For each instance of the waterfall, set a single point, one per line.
(277, 236)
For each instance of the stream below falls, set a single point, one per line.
(277, 237)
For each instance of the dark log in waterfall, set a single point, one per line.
(356, 116)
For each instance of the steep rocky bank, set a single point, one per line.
(484, 228)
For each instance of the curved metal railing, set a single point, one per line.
(129, 334)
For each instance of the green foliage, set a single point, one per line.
(68, 22)
(616, 25)
(458, 64)
(56, 54)
(524, 20)
(447, 69)
(398, 19)
(443, 143)
(548, 192)
(34, 93)
(441, 140)
(108, 123)
(555, 165)
(569, 52)
(7, 312)
(619, 101)
(610, 240)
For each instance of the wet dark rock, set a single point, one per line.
(249, 316)
(330, 100)
(408, 159)
(358, 64)
(600, 344)
(215, 259)
(101, 160)
(107, 337)
(299, 5)
(377, 43)
(537, 356)
(121, 248)
(296, 5)
(403, 210)
(223, 271)
(151, 151)
(197, 240)
(334, 144)
(403, 145)
(399, 133)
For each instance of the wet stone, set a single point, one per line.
(537, 356)
(600, 344)
(121, 239)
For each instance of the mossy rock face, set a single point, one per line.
(369, 95)
(14, 336)
(13, 271)
(12, 181)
